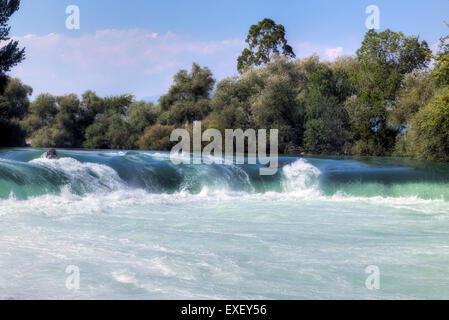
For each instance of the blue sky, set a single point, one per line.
(136, 46)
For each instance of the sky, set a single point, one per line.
(136, 46)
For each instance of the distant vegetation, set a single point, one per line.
(391, 98)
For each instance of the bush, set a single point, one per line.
(428, 137)
(157, 137)
(109, 131)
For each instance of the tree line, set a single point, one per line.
(390, 98)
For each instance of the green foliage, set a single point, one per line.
(14, 104)
(107, 123)
(157, 137)
(326, 123)
(10, 54)
(18, 95)
(428, 137)
(327, 128)
(109, 131)
(41, 113)
(385, 58)
(230, 105)
(14, 100)
(441, 70)
(65, 130)
(381, 101)
(188, 99)
(117, 104)
(394, 51)
(141, 115)
(265, 39)
(192, 86)
(93, 105)
(275, 104)
(262, 98)
(417, 90)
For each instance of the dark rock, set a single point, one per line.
(51, 154)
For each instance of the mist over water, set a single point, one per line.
(139, 226)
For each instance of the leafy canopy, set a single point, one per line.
(10, 54)
(441, 72)
(264, 39)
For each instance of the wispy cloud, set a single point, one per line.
(305, 49)
(119, 61)
(334, 53)
(141, 62)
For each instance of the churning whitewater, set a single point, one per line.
(139, 226)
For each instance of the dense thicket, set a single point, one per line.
(13, 94)
(391, 98)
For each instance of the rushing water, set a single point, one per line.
(140, 227)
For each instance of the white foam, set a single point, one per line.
(92, 176)
(301, 184)
(300, 176)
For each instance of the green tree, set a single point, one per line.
(441, 70)
(109, 131)
(230, 106)
(108, 125)
(428, 137)
(394, 51)
(188, 99)
(18, 95)
(41, 113)
(265, 98)
(93, 105)
(326, 119)
(65, 130)
(385, 58)
(275, 103)
(157, 137)
(265, 39)
(10, 54)
(118, 104)
(140, 115)
(417, 90)
(13, 106)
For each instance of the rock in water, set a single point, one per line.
(51, 154)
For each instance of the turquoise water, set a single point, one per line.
(139, 227)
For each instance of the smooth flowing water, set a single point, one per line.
(139, 227)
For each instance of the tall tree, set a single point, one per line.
(188, 98)
(441, 71)
(14, 105)
(385, 58)
(428, 137)
(41, 113)
(327, 121)
(264, 39)
(10, 54)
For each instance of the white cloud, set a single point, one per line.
(119, 61)
(306, 49)
(334, 53)
(115, 61)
